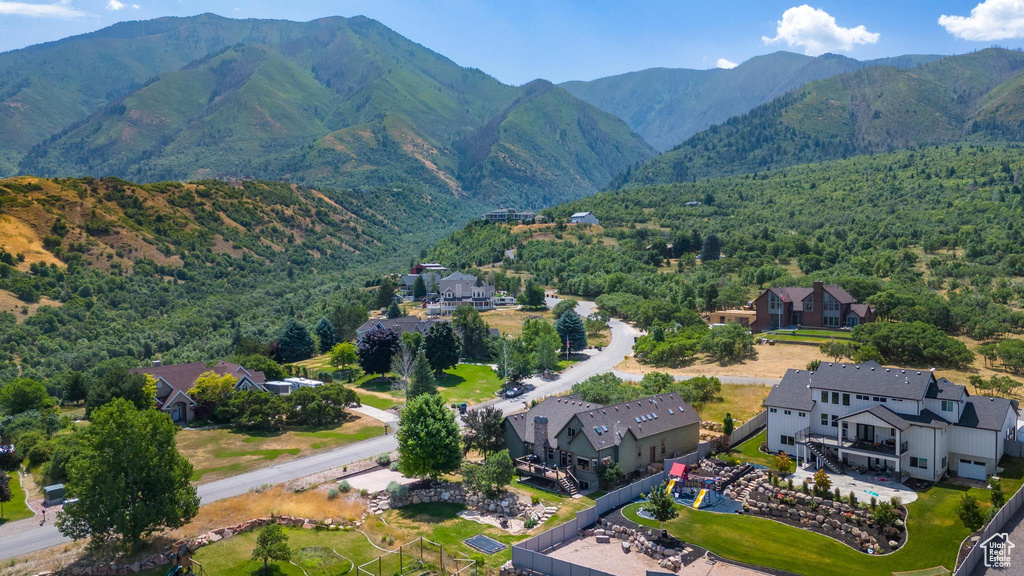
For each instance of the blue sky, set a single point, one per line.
(519, 40)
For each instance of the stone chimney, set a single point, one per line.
(540, 436)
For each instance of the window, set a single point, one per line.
(787, 440)
(943, 462)
(824, 396)
(802, 414)
(787, 412)
(835, 421)
(918, 462)
(594, 463)
(862, 397)
(947, 405)
(772, 410)
(662, 445)
(583, 464)
(572, 432)
(639, 451)
(584, 485)
(835, 397)
(809, 305)
(846, 399)
(824, 419)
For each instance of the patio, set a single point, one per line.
(861, 484)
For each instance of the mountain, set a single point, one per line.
(338, 102)
(668, 105)
(92, 269)
(973, 97)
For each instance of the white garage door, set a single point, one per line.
(971, 469)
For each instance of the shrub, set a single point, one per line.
(534, 499)
(783, 464)
(874, 503)
(332, 493)
(837, 496)
(884, 515)
(344, 486)
(396, 490)
(853, 498)
(383, 459)
(394, 466)
(805, 488)
(530, 522)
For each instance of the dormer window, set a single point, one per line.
(947, 405)
(809, 305)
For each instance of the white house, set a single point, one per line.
(460, 289)
(583, 218)
(864, 415)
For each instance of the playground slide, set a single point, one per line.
(700, 498)
(671, 483)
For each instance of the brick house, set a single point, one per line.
(820, 306)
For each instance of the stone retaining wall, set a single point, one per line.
(507, 504)
(185, 548)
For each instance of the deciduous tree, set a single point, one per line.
(209, 391)
(271, 544)
(474, 331)
(23, 395)
(129, 479)
(428, 438)
(483, 430)
(376, 348)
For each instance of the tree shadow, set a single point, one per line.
(432, 512)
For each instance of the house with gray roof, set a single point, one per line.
(906, 421)
(820, 306)
(399, 325)
(565, 440)
(461, 289)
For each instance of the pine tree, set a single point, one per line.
(422, 380)
(325, 332)
(570, 327)
(393, 310)
(295, 343)
(419, 288)
(712, 248)
(442, 346)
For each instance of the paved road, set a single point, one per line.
(31, 537)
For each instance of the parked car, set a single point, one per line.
(513, 391)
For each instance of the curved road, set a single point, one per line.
(26, 536)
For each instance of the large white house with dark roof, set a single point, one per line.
(908, 421)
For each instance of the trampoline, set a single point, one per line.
(484, 544)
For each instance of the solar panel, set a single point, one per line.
(637, 419)
(598, 430)
(670, 412)
(605, 428)
(655, 416)
(681, 409)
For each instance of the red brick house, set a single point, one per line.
(821, 306)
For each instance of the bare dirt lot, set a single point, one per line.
(771, 362)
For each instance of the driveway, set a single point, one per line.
(31, 537)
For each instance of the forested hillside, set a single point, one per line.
(959, 98)
(339, 102)
(95, 269)
(668, 105)
(935, 235)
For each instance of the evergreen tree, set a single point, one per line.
(428, 438)
(346, 319)
(376, 348)
(419, 288)
(711, 249)
(970, 513)
(570, 328)
(474, 331)
(394, 311)
(422, 380)
(660, 504)
(325, 332)
(295, 343)
(728, 424)
(385, 292)
(441, 346)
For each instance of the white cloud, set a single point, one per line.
(115, 5)
(990, 20)
(727, 64)
(59, 10)
(816, 32)
(136, 6)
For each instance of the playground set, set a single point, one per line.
(693, 491)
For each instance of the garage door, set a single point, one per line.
(971, 469)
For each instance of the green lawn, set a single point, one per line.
(439, 522)
(232, 557)
(469, 383)
(934, 529)
(749, 451)
(16, 509)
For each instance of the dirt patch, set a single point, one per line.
(23, 310)
(510, 321)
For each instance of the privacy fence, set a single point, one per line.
(1014, 448)
(997, 525)
(529, 554)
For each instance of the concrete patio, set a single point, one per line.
(860, 484)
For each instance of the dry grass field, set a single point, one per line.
(771, 362)
(509, 321)
(221, 452)
(743, 401)
(20, 238)
(22, 310)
